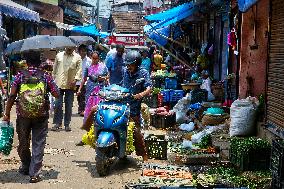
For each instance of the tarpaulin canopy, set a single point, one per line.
(170, 13)
(90, 29)
(244, 5)
(161, 35)
(170, 16)
(12, 9)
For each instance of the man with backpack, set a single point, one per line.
(31, 88)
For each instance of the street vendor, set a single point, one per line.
(206, 84)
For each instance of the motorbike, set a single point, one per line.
(111, 121)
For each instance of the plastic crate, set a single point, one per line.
(198, 95)
(166, 95)
(176, 95)
(156, 147)
(255, 160)
(277, 163)
(171, 83)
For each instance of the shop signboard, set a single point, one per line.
(52, 2)
(126, 39)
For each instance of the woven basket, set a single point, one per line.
(214, 119)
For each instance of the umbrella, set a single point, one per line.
(79, 40)
(38, 43)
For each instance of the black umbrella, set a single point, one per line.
(79, 40)
(38, 43)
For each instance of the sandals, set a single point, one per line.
(35, 179)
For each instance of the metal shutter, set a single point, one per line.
(275, 85)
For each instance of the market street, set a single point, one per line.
(66, 165)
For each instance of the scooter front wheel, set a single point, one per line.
(103, 163)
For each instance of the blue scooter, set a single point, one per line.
(111, 121)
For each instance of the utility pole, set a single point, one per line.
(98, 18)
(139, 17)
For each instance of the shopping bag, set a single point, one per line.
(6, 137)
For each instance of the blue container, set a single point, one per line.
(171, 83)
(176, 95)
(166, 95)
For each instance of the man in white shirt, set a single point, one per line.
(67, 70)
(86, 62)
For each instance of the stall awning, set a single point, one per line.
(12, 9)
(170, 16)
(161, 36)
(244, 5)
(90, 29)
(170, 13)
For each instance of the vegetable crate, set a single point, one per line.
(156, 146)
(255, 160)
(166, 95)
(176, 95)
(277, 163)
(171, 83)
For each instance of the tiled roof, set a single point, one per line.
(128, 22)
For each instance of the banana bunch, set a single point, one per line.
(130, 140)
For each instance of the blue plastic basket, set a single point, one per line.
(176, 95)
(171, 83)
(166, 95)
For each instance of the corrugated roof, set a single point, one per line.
(128, 22)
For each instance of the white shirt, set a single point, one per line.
(86, 63)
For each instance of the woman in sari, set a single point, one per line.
(96, 77)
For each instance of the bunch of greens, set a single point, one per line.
(156, 90)
(241, 146)
(233, 178)
(205, 142)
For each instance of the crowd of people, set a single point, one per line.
(78, 72)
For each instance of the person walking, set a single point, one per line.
(115, 65)
(97, 77)
(133, 73)
(86, 62)
(67, 70)
(31, 87)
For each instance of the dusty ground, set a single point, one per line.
(66, 165)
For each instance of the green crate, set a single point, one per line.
(156, 146)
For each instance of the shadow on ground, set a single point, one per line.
(13, 176)
(119, 167)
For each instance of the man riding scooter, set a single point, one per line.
(133, 73)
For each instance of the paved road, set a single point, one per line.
(66, 165)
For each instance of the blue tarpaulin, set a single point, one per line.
(170, 13)
(244, 5)
(170, 16)
(161, 36)
(90, 29)
(12, 9)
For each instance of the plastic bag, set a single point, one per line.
(89, 137)
(187, 127)
(243, 115)
(6, 137)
